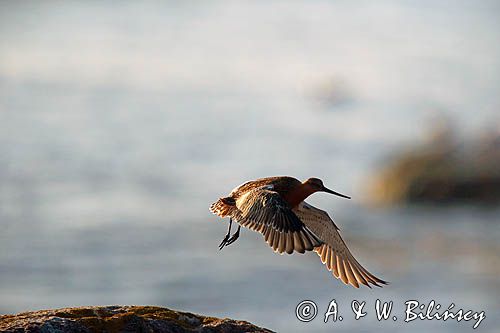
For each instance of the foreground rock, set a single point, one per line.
(120, 319)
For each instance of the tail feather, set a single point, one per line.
(223, 207)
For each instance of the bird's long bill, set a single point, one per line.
(327, 190)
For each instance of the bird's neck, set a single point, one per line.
(298, 194)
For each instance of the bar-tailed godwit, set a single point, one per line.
(275, 207)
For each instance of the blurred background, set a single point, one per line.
(121, 122)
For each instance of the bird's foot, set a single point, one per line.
(224, 241)
(228, 241)
(234, 237)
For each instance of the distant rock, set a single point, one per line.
(120, 319)
(333, 93)
(444, 170)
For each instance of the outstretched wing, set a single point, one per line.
(267, 212)
(334, 252)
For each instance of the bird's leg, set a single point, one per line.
(224, 241)
(234, 237)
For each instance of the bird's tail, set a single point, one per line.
(223, 207)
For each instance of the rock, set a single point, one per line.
(333, 93)
(120, 319)
(445, 170)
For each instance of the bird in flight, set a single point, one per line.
(275, 207)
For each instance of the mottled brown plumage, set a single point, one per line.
(275, 207)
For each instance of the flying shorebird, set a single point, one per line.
(275, 207)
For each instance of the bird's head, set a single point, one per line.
(316, 185)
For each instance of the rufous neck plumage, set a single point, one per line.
(298, 194)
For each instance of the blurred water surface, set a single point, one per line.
(121, 122)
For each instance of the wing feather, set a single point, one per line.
(334, 253)
(265, 211)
